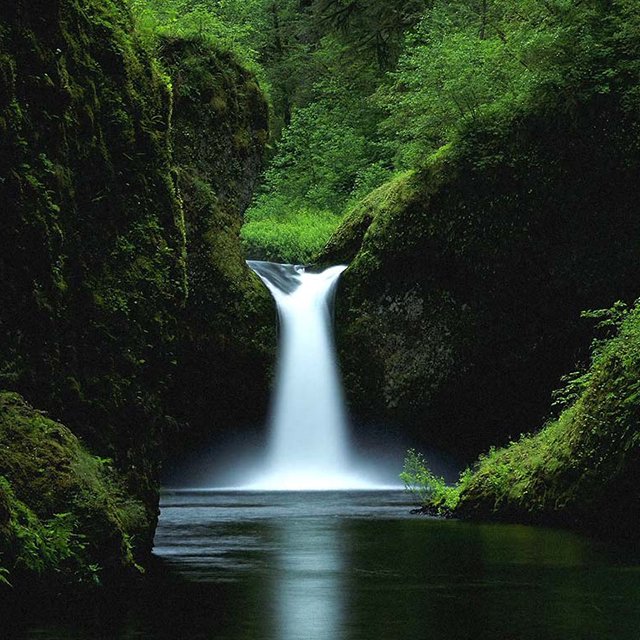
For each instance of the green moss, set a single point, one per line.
(226, 337)
(386, 201)
(93, 261)
(581, 468)
(65, 515)
(122, 271)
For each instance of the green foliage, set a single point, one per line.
(323, 154)
(448, 73)
(418, 479)
(430, 490)
(231, 25)
(608, 324)
(371, 27)
(45, 546)
(67, 514)
(276, 232)
(267, 36)
(326, 159)
(581, 468)
(467, 58)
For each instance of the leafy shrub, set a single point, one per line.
(233, 26)
(428, 488)
(579, 469)
(463, 60)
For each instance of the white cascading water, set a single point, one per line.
(309, 443)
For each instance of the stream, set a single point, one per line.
(358, 566)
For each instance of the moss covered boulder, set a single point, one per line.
(581, 470)
(66, 516)
(461, 308)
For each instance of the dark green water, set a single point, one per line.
(338, 566)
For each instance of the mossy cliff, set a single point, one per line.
(92, 266)
(226, 335)
(581, 469)
(121, 264)
(461, 308)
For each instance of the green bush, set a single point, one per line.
(428, 489)
(465, 60)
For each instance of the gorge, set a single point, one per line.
(475, 166)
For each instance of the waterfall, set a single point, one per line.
(309, 441)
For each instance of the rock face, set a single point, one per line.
(92, 266)
(125, 305)
(461, 308)
(226, 330)
(582, 469)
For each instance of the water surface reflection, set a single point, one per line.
(250, 566)
(308, 585)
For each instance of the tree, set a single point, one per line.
(371, 26)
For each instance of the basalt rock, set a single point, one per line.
(461, 308)
(226, 338)
(126, 308)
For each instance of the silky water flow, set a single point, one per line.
(309, 447)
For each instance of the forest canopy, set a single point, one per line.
(361, 90)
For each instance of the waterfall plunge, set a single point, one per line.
(309, 443)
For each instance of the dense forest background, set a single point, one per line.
(360, 91)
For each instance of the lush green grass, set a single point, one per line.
(285, 235)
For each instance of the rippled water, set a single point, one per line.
(358, 566)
